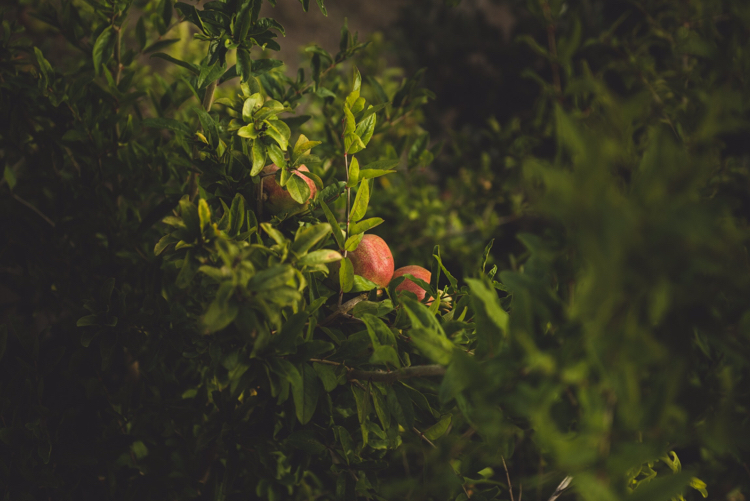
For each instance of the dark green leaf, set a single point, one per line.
(160, 44)
(338, 235)
(305, 392)
(103, 48)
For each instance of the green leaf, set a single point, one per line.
(353, 173)
(359, 208)
(366, 128)
(350, 124)
(438, 429)
(166, 123)
(451, 278)
(189, 213)
(663, 487)
(10, 177)
(251, 104)
(209, 74)
(347, 444)
(305, 392)
(261, 66)
(419, 146)
(373, 173)
(353, 143)
(286, 340)
(379, 332)
(385, 355)
(209, 126)
(365, 225)
(271, 278)
(140, 33)
(321, 256)
(204, 214)
(338, 235)
(189, 66)
(298, 189)
(248, 131)
(329, 375)
(165, 9)
(276, 156)
(381, 407)
(426, 333)
(322, 8)
(163, 243)
(259, 157)
(307, 237)
(303, 145)
(222, 310)
(236, 214)
(379, 308)
(346, 275)
(244, 64)
(486, 254)
(160, 44)
(187, 272)
(103, 48)
(400, 406)
(305, 441)
(279, 132)
(362, 400)
(352, 242)
(490, 317)
(361, 284)
(87, 321)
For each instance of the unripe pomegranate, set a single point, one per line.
(276, 198)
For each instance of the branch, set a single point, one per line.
(507, 475)
(39, 213)
(118, 60)
(348, 203)
(343, 309)
(393, 376)
(560, 488)
(552, 48)
(421, 435)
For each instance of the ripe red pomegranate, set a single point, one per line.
(408, 285)
(373, 260)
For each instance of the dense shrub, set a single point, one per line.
(165, 337)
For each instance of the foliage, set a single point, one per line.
(164, 337)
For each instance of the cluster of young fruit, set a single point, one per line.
(372, 259)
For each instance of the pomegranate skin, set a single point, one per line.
(408, 285)
(277, 199)
(373, 260)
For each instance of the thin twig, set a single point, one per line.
(507, 475)
(326, 362)
(118, 61)
(260, 199)
(40, 213)
(552, 49)
(560, 488)
(348, 202)
(421, 435)
(397, 375)
(343, 309)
